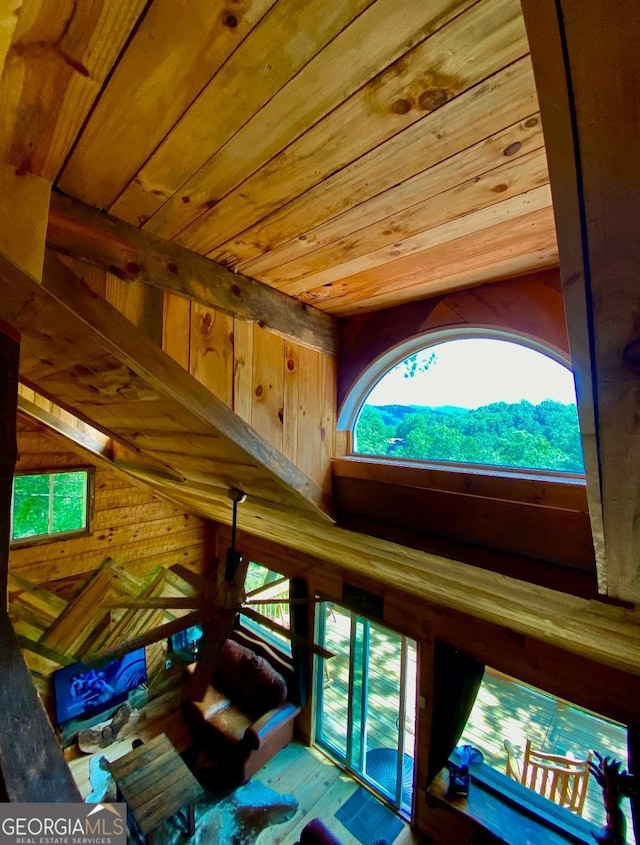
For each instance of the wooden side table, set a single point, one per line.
(156, 783)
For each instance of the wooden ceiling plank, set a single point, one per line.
(184, 43)
(506, 98)
(480, 158)
(338, 70)
(79, 230)
(510, 191)
(520, 235)
(85, 320)
(592, 131)
(467, 50)
(56, 66)
(494, 269)
(251, 77)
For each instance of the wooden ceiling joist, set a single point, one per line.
(592, 132)
(80, 231)
(81, 353)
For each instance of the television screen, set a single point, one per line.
(82, 691)
(185, 641)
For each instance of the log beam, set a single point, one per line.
(588, 78)
(81, 231)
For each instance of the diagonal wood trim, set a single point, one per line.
(84, 232)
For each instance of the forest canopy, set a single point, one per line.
(542, 436)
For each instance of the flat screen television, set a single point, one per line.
(81, 691)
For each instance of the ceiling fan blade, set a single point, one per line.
(255, 602)
(284, 580)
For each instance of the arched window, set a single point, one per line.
(482, 400)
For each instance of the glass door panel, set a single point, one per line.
(332, 678)
(365, 701)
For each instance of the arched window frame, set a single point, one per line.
(369, 378)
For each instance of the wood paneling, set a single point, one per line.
(121, 394)
(530, 305)
(549, 533)
(285, 390)
(129, 524)
(23, 217)
(331, 124)
(60, 55)
(185, 43)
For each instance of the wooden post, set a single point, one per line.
(10, 358)
(588, 79)
(32, 767)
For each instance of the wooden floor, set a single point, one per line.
(318, 785)
(507, 710)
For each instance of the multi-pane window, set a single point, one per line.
(266, 585)
(49, 504)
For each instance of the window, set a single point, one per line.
(507, 709)
(49, 505)
(483, 400)
(262, 584)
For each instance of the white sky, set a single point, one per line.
(473, 372)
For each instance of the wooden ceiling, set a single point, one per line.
(351, 154)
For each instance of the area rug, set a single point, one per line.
(235, 817)
(367, 819)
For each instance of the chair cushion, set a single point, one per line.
(212, 702)
(263, 688)
(233, 664)
(231, 723)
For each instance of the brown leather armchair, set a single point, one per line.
(246, 715)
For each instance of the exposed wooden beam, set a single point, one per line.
(81, 231)
(9, 13)
(588, 79)
(80, 352)
(157, 602)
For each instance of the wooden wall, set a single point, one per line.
(285, 390)
(58, 588)
(128, 523)
(607, 691)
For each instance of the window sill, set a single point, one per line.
(512, 813)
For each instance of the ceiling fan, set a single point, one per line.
(215, 608)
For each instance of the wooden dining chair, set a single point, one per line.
(559, 778)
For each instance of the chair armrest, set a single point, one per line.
(270, 721)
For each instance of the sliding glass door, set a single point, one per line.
(365, 701)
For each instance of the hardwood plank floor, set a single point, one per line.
(319, 786)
